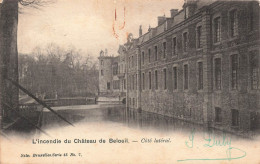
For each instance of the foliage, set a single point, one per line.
(52, 71)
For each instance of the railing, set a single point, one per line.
(26, 107)
(29, 107)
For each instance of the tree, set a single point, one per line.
(8, 51)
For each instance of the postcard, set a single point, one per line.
(129, 81)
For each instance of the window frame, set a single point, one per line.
(215, 40)
(233, 32)
(143, 54)
(165, 78)
(200, 79)
(164, 47)
(218, 115)
(214, 73)
(156, 79)
(254, 52)
(175, 78)
(185, 42)
(174, 46)
(156, 53)
(185, 80)
(234, 86)
(150, 80)
(149, 55)
(143, 81)
(235, 122)
(198, 36)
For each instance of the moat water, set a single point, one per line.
(128, 136)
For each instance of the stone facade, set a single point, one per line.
(199, 65)
(112, 75)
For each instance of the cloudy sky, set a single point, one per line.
(88, 24)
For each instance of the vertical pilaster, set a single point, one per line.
(138, 71)
(207, 67)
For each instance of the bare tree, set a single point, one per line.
(8, 50)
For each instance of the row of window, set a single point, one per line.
(234, 116)
(174, 78)
(132, 63)
(216, 28)
(116, 84)
(234, 72)
(218, 114)
(132, 102)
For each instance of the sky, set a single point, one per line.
(88, 24)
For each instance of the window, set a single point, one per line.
(133, 81)
(129, 62)
(200, 73)
(124, 84)
(174, 46)
(108, 85)
(185, 42)
(132, 61)
(185, 76)
(164, 49)
(130, 83)
(143, 82)
(254, 70)
(143, 58)
(165, 78)
(133, 102)
(175, 78)
(102, 73)
(149, 55)
(156, 79)
(150, 80)
(155, 53)
(102, 62)
(218, 73)
(251, 16)
(116, 84)
(254, 121)
(218, 115)
(217, 30)
(115, 69)
(233, 23)
(199, 37)
(136, 81)
(235, 117)
(234, 71)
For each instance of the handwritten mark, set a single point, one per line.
(191, 138)
(228, 152)
(212, 141)
(120, 27)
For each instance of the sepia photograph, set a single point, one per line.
(129, 81)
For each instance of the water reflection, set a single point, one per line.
(110, 113)
(119, 114)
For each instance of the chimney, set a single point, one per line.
(174, 12)
(161, 19)
(140, 31)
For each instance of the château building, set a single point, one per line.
(200, 65)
